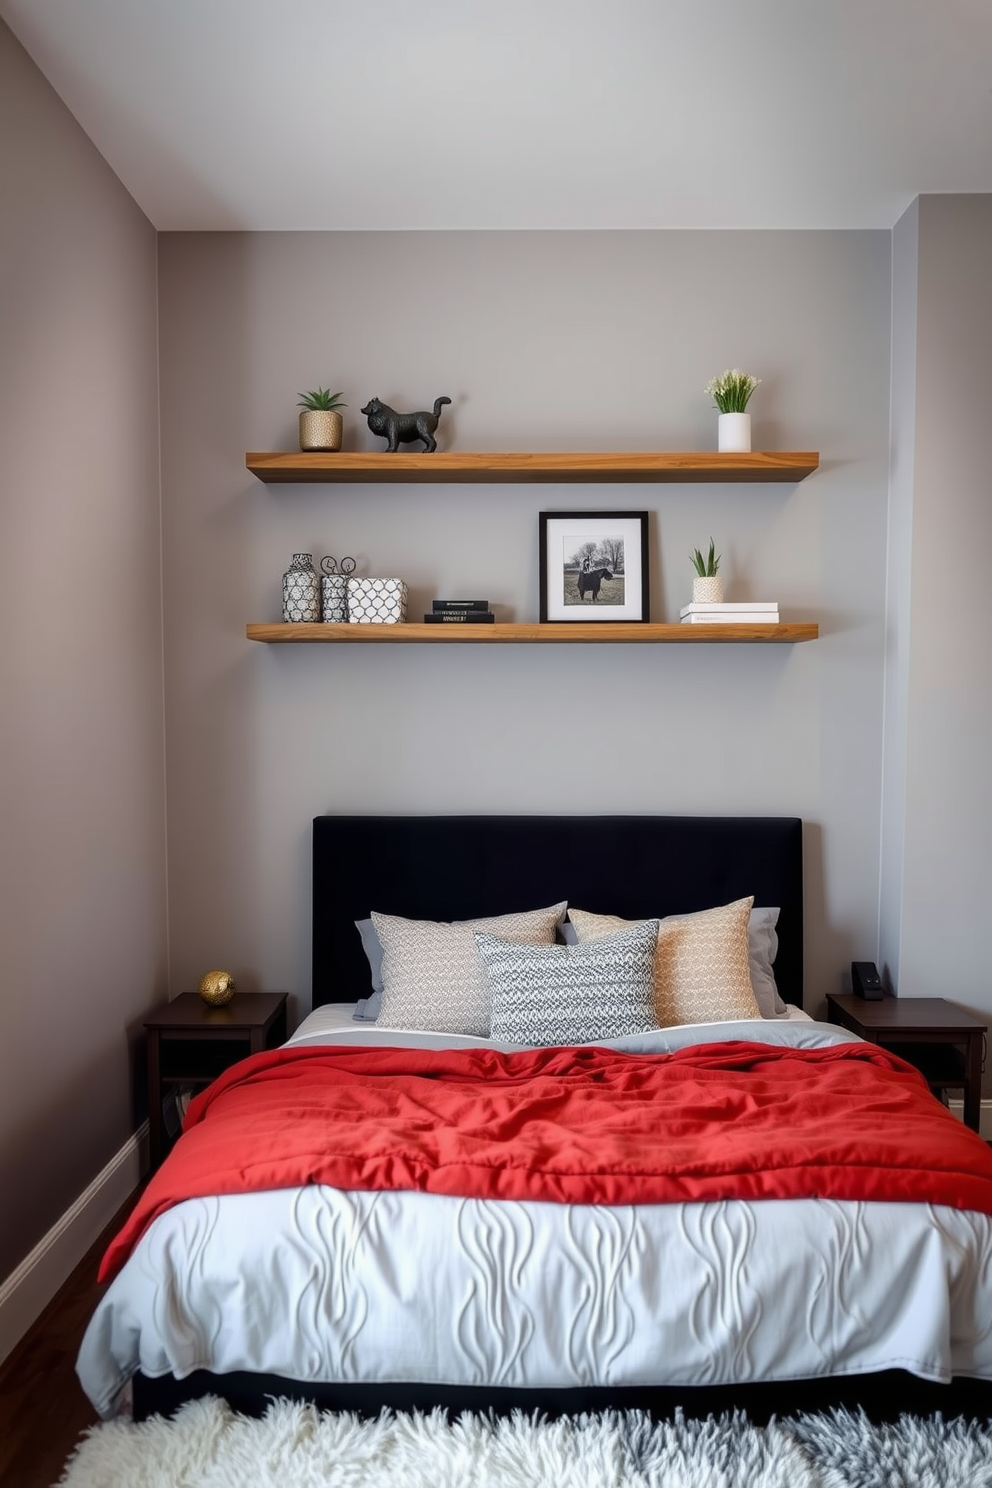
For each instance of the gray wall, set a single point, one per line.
(941, 723)
(82, 841)
(571, 341)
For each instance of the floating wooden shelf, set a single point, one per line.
(448, 467)
(563, 631)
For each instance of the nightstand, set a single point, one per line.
(190, 1043)
(944, 1043)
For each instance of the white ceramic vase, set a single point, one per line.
(734, 433)
(708, 591)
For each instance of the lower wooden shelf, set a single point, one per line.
(553, 631)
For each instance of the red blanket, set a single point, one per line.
(577, 1126)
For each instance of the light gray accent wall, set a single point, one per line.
(905, 273)
(947, 864)
(542, 340)
(82, 840)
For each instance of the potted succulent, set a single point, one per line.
(320, 422)
(707, 586)
(731, 392)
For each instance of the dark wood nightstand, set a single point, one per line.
(944, 1043)
(190, 1043)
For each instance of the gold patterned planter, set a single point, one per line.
(321, 429)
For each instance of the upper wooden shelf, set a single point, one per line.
(449, 467)
(570, 630)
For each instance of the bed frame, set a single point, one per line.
(460, 867)
(463, 867)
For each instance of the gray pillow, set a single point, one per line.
(367, 1008)
(562, 994)
(762, 948)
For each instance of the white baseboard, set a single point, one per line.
(27, 1291)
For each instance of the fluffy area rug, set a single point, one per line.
(206, 1445)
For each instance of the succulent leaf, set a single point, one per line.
(321, 398)
(708, 567)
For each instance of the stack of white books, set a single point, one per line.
(753, 612)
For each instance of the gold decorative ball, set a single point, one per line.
(217, 987)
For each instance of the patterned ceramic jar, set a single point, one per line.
(301, 591)
(376, 601)
(334, 589)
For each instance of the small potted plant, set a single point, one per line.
(707, 586)
(731, 392)
(321, 424)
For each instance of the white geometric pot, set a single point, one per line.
(708, 591)
(733, 433)
(376, 601)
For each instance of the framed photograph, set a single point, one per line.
(594, 565)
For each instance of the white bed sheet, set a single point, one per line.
(335, 1023)
(316, 1284)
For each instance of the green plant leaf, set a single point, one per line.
(707, 567)
(321, 398)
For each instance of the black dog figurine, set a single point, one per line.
(403, 428)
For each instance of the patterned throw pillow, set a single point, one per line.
(579, 994)
(701, 972)
(432, 975)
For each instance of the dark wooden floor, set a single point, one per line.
(43, 1410)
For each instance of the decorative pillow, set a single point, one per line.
(701, 971)
(367, 1008)
(432, 974)
(561, 994)
(762, 948)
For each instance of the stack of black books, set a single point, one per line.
(460, 611)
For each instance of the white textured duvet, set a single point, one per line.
(319, 1285)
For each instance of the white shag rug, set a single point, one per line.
(207, 1445)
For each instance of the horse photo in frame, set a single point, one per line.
(594, 566)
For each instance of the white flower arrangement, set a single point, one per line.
(732, 389)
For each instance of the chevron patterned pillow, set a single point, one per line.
(701, 968)
(581, 994)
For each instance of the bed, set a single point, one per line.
(559, 1282)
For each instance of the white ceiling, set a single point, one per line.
(383, 114)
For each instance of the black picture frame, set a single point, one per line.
(566, 539)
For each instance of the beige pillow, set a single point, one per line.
(701, 970)
(432, 974)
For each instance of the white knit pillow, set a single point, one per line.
(701, 972)
(432, 975)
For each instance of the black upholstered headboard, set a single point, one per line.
(461, 867)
